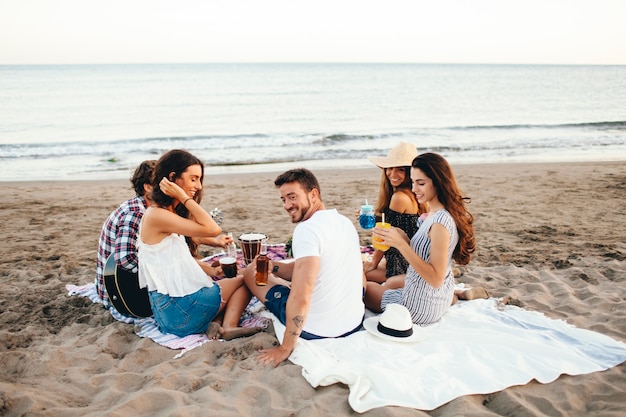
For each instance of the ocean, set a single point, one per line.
(79, 122)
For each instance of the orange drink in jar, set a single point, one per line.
(376, 241)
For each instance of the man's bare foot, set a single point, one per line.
(472, 293)
(234, 333)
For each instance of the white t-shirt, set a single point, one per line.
(337, 300)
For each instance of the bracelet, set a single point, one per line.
(187, 199)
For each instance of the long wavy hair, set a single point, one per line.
(436, 168)
(386, 191)
(171, 165)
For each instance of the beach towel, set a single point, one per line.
(478, 347)
(148, 327)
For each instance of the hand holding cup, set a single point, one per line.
(379, 236)
(385, 236)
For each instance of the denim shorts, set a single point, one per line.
(276, 303)
(186, 315)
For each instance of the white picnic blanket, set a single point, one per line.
(476, 348)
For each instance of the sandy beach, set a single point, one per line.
(552, 237)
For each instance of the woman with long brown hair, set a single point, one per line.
(446, 234)
(184, 299)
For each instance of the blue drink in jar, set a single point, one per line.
(367, 218)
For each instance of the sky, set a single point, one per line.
(435, 31)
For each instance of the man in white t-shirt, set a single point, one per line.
(325, 298)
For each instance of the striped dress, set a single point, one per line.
(426, 304)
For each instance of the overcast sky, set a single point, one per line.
(435, 31)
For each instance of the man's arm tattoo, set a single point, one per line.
(298, 321)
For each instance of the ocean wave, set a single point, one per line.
(602, 125)
(264, 147)
(341, 137)
(153, 145)
(619, 125)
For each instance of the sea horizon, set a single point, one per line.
(98, 121)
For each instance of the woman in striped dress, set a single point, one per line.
(445, 234)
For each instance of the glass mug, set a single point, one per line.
(229, 266)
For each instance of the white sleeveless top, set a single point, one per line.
(169, 268)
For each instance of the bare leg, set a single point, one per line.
(234, 308)
(395, 282)
(376, 275)
(472, 293)
(373, 296)
(235, 298)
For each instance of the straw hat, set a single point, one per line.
(393, 324)
(401, 155)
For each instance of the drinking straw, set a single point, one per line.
(383, 218)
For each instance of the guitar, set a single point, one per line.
(124, 292)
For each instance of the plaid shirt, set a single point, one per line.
(119, 234)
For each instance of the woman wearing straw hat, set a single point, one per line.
(399, 205)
